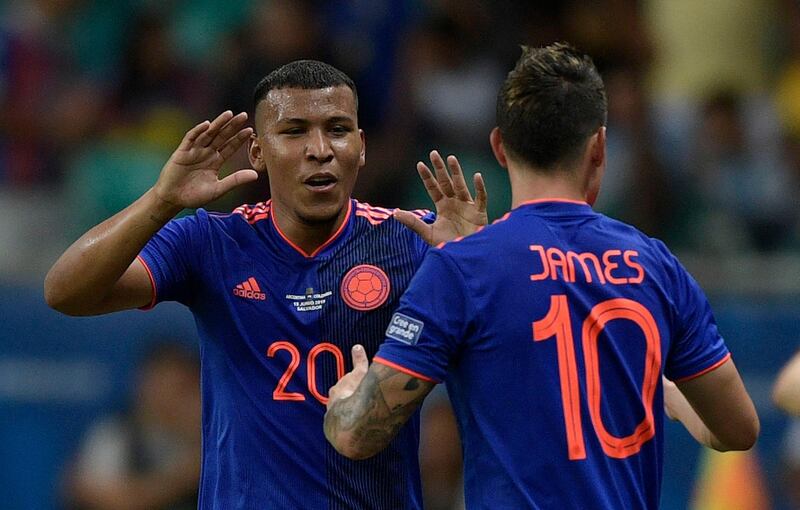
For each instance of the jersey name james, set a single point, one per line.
(552, 328)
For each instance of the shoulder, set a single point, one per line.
(245, 213)
(658, 260)
(381, 221)
(497, 231)
(244, 217)
(377, 215)
(650, 245)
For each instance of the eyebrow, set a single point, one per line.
(299, 120)
(340, 118)
(293, 120)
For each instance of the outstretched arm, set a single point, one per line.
(457, 214)
(98, 273)
(369, 405)
(786, 392)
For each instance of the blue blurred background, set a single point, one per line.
(704, 153)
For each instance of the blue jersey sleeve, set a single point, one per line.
(172, 258)
(697, 346)
(433, 319)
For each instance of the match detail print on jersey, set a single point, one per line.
(365, 287)
(310, 301)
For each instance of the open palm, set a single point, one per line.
(190, 178)
(457, 214)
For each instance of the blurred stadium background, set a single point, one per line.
(704, 152)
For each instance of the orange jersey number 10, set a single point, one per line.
(557, 324)
(280, 392)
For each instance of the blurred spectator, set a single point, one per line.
(743, 191)
(32, 69)
(454, 79)
(152, 76)
(698, 49)
(450, 78)
(636, 188)
(276, 32)
(148, 458)
(198, 27)
(364, 39)
(788, 80)
(593, 27)
(155, 101)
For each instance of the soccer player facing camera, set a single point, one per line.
(552, 327)
(280, 290)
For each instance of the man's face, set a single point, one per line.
(310, 145)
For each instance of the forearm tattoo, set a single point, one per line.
(369, 419)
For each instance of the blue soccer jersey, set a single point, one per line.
(552, 328)
(276, 327)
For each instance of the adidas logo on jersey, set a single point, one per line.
(249, 289)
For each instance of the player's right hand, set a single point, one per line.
(348, 384)
(457, 214)
(190, 178)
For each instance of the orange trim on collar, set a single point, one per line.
(543, 200)
(323, 245)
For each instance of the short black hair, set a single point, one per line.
(549, 104)
(303, 74)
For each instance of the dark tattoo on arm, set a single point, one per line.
(367, 421)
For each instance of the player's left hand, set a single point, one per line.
(675, 404)
(457, 214)
(347, 385)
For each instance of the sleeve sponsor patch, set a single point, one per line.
(404, 329)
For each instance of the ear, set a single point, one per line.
(596, 163)
(599, 148)
(254, 153)
(499, 150)
(363, 159)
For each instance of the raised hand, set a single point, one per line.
(457, 214)
(190, 178)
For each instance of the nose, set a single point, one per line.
(318, 147)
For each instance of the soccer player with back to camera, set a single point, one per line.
(280, 290)
(552, 327)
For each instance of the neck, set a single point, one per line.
(307, 236)
(529, 184)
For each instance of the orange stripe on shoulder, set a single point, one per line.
(375, 211)
(254, 213)
(373, 220)
(374, 215)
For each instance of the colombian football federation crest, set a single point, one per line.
(365, 287)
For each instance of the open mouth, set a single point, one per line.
(321, 182)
